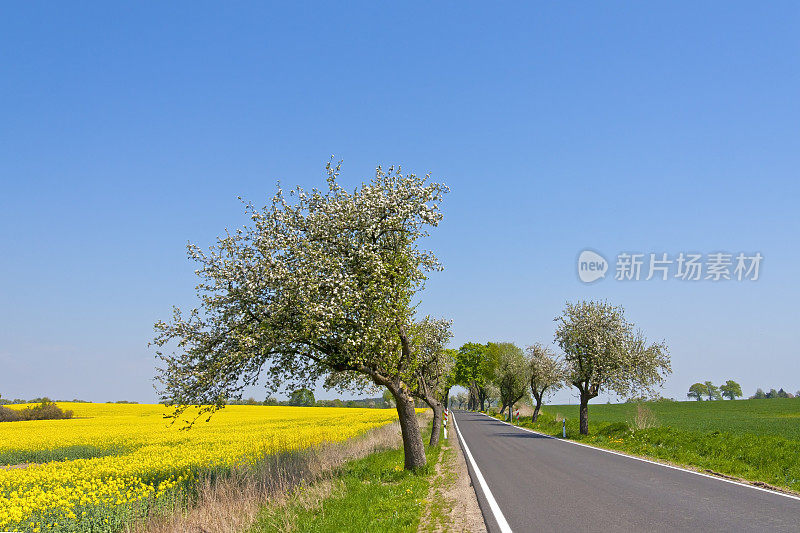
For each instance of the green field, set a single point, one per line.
(755, 440)
(777, 417)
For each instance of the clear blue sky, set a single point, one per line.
(129, 129)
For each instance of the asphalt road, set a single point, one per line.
(546, 484)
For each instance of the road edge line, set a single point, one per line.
(642, 459)
(495, 508)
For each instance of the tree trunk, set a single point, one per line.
(584, 414)
(413, 448)
(436, 426)
(536, 411)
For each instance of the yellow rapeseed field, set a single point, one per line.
(117, 456)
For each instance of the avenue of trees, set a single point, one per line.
(602, 351)
(323, 285)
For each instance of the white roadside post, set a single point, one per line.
(564, 429)
(445, 423)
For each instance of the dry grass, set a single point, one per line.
(644, 419)
(230, 504)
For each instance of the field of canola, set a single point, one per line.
(114, 459)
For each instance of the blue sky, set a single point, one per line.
(130, 129)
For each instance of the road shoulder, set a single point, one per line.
(452, 501)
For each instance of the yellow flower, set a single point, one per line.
(129, 454)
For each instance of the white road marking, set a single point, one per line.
(498, 514)
(785, 495)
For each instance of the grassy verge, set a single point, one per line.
(761, 458)
(373, 493)
(437, 517)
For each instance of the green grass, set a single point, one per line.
(373, 494)
(757, 440)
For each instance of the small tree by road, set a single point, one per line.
(475, 366)
(511, 373)
(697, 391)
(547, 374)
(603, 351)
(434, 371)
(731, 390)
(461, 399)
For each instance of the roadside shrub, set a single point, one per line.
(644, 419)
(46, 410)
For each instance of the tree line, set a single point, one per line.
(732, 390)
(304, 397)
(761, 395)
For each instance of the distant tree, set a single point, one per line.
(461, 399)
(759, 395)
(474, 369)
(302, 397)
(697, 391)
(388, 399)
(512, 373)
(731, 390)
(547, 374)
(270, 401)
(772, 394)
(602, 350)
(712, 391)
(782, 393)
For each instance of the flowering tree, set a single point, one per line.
(434, 371)
(604, 352)
(461, 399)
(319, 286)
(547, 374)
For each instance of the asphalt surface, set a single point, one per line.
(546, 484)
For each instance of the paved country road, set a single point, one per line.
(546, 484)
